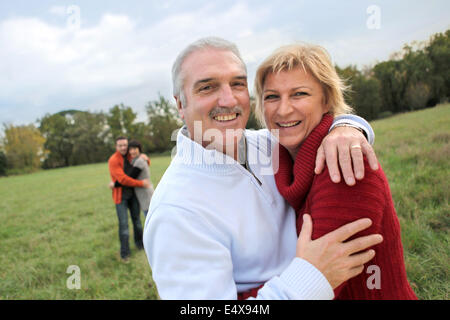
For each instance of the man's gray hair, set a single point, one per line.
(203, 43)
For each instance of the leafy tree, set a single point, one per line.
(163, 120)
(121, 120)
(144, 136)
(75, 137)
(24, 147)
(364, 93)
(418, 67)
(58, 140)
(417, 95)
(438, 51)
(3, 163)
(89, 133)
(367, 101)
(416, 77)
(392, 77)
(349, 75)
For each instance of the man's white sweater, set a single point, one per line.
(215, 229)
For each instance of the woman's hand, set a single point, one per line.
(144, 157)
(348, 145)
(146, 183)
(333, 257)
(111, 185)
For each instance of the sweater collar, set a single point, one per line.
(191, 153)
(294, 179)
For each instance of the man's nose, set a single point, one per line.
(227, 97)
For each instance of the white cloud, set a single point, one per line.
(42, 62)
(50, 67)
(58, 10)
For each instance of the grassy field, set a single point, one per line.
(56, 218)
(414, 150)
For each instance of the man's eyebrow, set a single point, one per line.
(206, 80)
(241, 78)
(201, 81)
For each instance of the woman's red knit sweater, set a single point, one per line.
(332, 205)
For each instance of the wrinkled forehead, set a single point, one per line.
(212, 63)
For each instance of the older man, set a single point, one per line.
(217, 226)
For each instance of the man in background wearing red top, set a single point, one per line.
(124, 197)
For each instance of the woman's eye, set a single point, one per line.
(300, 93)
(270, 96)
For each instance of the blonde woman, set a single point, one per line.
(298, 92)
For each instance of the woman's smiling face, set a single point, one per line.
(293, 103)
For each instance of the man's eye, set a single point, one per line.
(205, 88)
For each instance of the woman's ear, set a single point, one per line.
(325, 104)
(325, 107)
(325, 98)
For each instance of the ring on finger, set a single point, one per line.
(356, 146)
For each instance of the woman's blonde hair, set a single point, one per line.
(311, 58)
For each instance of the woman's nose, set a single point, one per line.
(285, 108)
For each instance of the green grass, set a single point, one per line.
(56, 218)
(414, 151)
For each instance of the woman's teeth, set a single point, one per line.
(226, 117)
(288, 124)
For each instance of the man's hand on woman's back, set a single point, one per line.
(332, 256)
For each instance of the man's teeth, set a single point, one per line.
(289, 124)
(226, 117)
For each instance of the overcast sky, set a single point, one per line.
(122, 51)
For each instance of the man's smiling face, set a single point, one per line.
(216, 95)
(122, 146)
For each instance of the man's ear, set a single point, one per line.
(179, 107)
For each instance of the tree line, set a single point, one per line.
(73, 137)
(416, 77)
